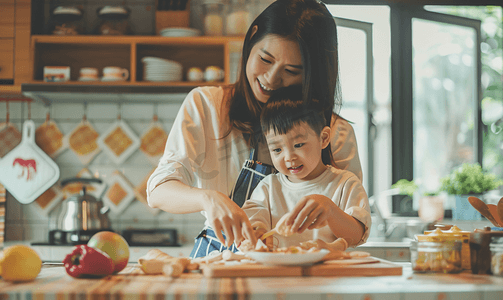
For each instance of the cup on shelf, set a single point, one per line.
(88, 74)
(213, 73)
(195, 74)
(115, 74)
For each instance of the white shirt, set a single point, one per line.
(276, 195)
(197, 155)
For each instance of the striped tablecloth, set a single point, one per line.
(54, 284)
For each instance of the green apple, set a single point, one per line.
(114, 245)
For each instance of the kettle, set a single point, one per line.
(83, 212)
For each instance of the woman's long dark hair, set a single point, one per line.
(310, 24)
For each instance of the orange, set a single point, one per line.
(19, 263)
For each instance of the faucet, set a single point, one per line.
(383, 227)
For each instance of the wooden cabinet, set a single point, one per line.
(6, 58)
(15, 31)
(127, 52)
(7, 9)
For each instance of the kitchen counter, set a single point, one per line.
(131, 283)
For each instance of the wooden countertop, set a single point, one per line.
(54, 283)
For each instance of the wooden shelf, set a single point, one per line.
(125, 52)
(138, 39)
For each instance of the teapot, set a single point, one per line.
(82, 212)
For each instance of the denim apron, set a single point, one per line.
(251, 174)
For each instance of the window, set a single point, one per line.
(427, 114)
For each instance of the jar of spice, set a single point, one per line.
(238, 18)
(66, 20)
(213, 21)
(496, 248)
(436, 252)
(114, 21)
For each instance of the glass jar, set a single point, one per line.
(496, 248)
(238, 18)
(114, 21)
(66, 20)
(213, 20)
(436, 257)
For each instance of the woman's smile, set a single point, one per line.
(274, 62)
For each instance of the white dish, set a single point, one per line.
(167, 73)
(288, 259)
(179, 31)
(88, 79)
(112, 79)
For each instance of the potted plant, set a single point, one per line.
(431, 204)
(468, 180)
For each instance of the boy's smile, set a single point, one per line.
(297, 154)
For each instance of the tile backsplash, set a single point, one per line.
(29, 222)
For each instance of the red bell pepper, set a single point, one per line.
(85, 261)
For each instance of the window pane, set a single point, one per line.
(353, 72)
(444, 99)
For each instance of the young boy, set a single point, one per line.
(307, 187)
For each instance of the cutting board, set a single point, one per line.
(374, 267)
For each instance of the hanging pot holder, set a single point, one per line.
(27, 171)
(119, 142)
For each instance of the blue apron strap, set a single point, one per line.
(251, 174)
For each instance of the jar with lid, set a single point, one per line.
(455, 233)
(66, 20)
(238, 18)
(114, 21)
(496, 248)
(436, 257)
(436, 252)
(213, 17)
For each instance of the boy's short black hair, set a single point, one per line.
(286, 109)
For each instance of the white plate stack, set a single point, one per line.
(160, 69)
(179, 32)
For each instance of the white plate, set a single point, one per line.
(88, 79)
(288, 259)
(112, 79)
(179, 31)
(157, 60)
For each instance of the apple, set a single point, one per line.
(114, 245)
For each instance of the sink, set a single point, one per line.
(387, 242)
(392, 249)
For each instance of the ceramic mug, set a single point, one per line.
(195, 74)
(115, 73)
(213, 73)
(88, 74)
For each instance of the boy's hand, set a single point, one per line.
(310, 212)
(259, 231)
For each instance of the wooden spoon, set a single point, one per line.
(500, 208)
(482, 208)
(493, 209)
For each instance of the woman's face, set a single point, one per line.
(274, 62)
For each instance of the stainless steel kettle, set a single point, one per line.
(83, 212)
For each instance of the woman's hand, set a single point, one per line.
(225, 215)
(310, 212)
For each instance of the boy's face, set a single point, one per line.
(297, 154)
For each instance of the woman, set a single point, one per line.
(210, 154)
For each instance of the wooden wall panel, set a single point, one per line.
(7, 18)
(22, 62)
(6, 58)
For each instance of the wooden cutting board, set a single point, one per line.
(375, 267)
